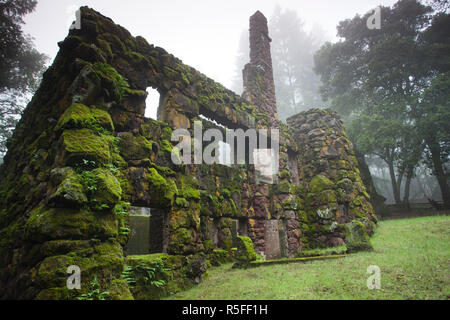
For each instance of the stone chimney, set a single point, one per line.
(259, 86)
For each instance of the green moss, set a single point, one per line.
(166, 146)
(118, 161)
(282, 188)
(52, 224)
(119, 290)
(136, 93)
(108, 190)
(326, 197)
(105, 47)
(285, 174)
(245, 252)
(162, 191)
(341, 250)
(299, 191)
(218, 257)
(117, 82)
(185, 218)
(70, 191)
(226, 193)
(104, 261)
(203, 100)
(181, 202)
(188, 187)
(185, 79)
(62, 247)
(181, 241)
(356, 237)
(84, 144)
(166, 133)
(320, 183)
(135, 148)
(136, 58)
(79, 116)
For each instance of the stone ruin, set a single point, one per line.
(88, 181)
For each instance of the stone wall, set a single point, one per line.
(331, 190)
(83, 153)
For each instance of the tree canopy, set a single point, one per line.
(390, 84)
(21, 65)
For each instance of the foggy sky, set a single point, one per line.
(202, 33)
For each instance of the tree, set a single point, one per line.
(21, 65)
(297, 85)
(376, 77)
(439, 5)
(241, 60)
(433, 120)
(433, 112)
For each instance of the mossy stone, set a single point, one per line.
(70, 191)
(218, 257)
(135, 148)
(320, 183)
(57, 223)
(162, 191)
(245, 251)
(85, 144)
(119, 290)
(102, 260)
(282, 188)
(181, 241)
(79, 116)
(356, 237)
(108, 190)
(188, 187)
(326, 197)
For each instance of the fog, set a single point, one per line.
(204, 34)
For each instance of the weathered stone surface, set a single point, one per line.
(70, 191)
(245, 252)
(356, 237)
(328, 171)
(83, 154)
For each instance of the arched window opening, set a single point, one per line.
(152, 103)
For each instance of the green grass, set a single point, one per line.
(413, 255)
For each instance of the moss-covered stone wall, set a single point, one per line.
(83, 153)
(331, 192)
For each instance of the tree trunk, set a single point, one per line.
(407, 188)
(394, 182)
(435, 150)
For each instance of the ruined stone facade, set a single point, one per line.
(83, 157)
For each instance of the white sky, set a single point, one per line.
(203, 33)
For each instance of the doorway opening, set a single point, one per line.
(148, 231)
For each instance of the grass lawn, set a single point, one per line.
(413, 255)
